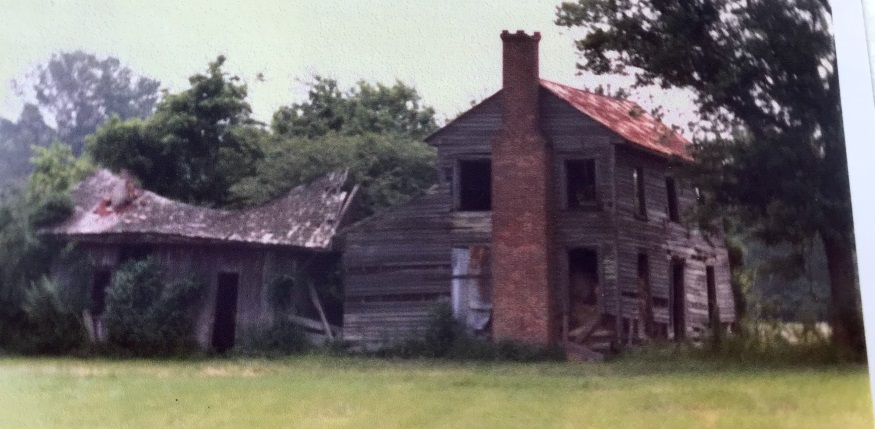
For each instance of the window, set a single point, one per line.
(580, 183)
(475, 187)
(672, 199)
(638, 182)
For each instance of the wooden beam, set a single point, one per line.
(315, 298)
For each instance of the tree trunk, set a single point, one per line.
(845, 313)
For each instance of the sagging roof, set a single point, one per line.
(308, 216)
(625, 118)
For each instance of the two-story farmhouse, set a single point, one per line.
(558, 218)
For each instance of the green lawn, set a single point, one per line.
(322, 392)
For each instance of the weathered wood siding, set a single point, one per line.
(255, 266)
(397, 263)
(663, 241)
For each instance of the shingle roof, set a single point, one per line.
(625, 118)
(308, 216)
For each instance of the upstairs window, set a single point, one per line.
(475, 185)
(672, 192)
(638, 183)
(580, 183)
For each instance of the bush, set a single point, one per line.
(279, 338)
(447, 338)
(148, 317)
(51, 326)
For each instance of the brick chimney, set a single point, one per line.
(522, 246)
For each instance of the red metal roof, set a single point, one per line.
(625, 118)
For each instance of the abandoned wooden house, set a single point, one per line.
(559, 217)
(235, 253)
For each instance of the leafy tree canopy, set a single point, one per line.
(389, 169)
(366, 108)
(56, 170)
(764, 76)
(198, 142)
(80, 91)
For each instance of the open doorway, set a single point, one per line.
(582, 284)
(678, 300)
(225, 321)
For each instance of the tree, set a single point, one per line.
(56, 170)
(764, 77)
(366, 108)
(198, 142)
(17, 140)
(80, 91)
(389, 169)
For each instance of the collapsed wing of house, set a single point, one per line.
(111, 208)
(236, 253)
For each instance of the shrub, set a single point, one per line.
(447, 338)
(51, 326)
(148, 317)
(279, 338)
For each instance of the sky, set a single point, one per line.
(449, 50)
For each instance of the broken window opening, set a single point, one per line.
(671, 190)
(475, 187)
(638, 182)
(580, 183)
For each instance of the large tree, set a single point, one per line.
(80, 91)
(765, 80)
(390, 169)
(196, 145)
(17, 140)
(365, 108)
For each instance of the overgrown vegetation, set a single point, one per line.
(280, 338)
(148, 316)
(446, 338)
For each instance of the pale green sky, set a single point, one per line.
(450, 50)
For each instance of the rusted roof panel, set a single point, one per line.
(305, 217)
(625, 118)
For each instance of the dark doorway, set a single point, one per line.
(102, 278)
(226, 311)
(475, 185)
(582, 284)
(678, 300)
(713, 317)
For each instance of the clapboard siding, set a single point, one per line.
(405, 251)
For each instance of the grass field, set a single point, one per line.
(324, 392)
